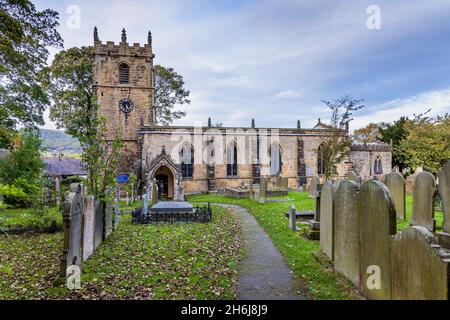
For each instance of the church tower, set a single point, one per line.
(123, 77)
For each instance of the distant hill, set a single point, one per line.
(56, 141)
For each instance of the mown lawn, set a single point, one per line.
(403, 224)
(300, 253)
(26, 218)
(196, 261)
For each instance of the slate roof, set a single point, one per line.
(56, 166)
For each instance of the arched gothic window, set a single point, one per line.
(378, 166)
(232, 166)
(321, 164)
(187, 161)
(124, 73)
(275, 159)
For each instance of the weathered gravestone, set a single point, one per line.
(346, 230)
(262, 190)
(326, 219)
(313, 187)
(145, 204)
(420, 267)
(250, 190)
(293, 218)
(108, 219)
(423, 201)
(396, 185)
(444, 190)
(73, 215)
(88, 226)
(377, 225)
(99, 224)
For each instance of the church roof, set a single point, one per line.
(60, 166)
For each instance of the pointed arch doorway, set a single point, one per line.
(165, 181)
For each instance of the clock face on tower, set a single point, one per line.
(126, 105)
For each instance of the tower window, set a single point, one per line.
(124, 73)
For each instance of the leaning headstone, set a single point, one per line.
(72, 216)
(99, 224)
(108, 219)
(444, 190)
(262, 190)
(420, 267)
(313, 187)
(396, 185)
(423, 201)
(377, 225)
(326, 219)
(346, 230)
(88, 226)
(293, 218)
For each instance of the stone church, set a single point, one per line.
(193, 159)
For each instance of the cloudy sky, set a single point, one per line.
(275, 60)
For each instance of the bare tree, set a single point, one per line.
(337, 143)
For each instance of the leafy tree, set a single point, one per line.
(394, 134)
(75, 107)
(25, 34)
(368, 134)
(427, 143)
(336, 145)
(23, 168)
(169, 91)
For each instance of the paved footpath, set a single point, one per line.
(263, 273)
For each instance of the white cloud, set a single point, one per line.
(287, 94)
(437, 101)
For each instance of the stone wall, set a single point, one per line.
(363, 162)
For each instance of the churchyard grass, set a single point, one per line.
(321, 281)
(195, 261)
(26, 218)
(403, 224)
